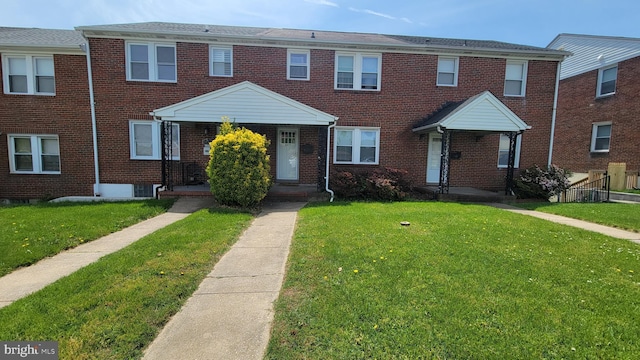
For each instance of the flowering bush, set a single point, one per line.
(380, 184)
(538, 183)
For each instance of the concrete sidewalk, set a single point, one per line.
(606, 230)
(27, 280)
(230, 314)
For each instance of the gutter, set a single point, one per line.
(94, 127)
(553, 113)
(326, 177)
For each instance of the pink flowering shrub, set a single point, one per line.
(381, 184)
(539, 183)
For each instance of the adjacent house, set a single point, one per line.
(450, 112)
(598, 116)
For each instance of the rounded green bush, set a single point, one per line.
(238, 166)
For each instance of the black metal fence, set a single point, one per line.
(588, 191)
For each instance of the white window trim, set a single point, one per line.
(594, 133)
(599, 85)
(156, 152)
(356, 142)
(523, 87)
(153, 63)
(36, 153)
(516, 161)
(357, 71)
(308, 64)
(30, 63)
(219, 47)
(455, 70)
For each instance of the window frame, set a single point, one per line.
(152, 61)
(601, 71)
(455, 71)
(594, 136)
(356, 138)
(358, 58)
(212, 48)
(523, 85)
(516, 161)
(36, 153)
(31, 73)
(307, 53)
(156, 147)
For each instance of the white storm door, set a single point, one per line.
(433, 158)
(287, 154)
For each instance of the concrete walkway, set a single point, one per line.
(606, 230)
(230, 314)
(27, 280)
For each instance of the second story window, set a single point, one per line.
(447, 71)
(298, 64)
(221, 61)
(607, 81)
(515, 80)
(356, 71)
(26, 74)
(151, 62)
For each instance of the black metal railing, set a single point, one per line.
(592, 191)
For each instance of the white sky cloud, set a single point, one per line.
(322, 2)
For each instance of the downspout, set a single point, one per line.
(553, 113)
(326, 176)
(94, 127)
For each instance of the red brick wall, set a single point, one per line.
(68, 115)
(408, 93)
(578, 109)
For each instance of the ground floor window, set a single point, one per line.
(145, 140)
(503, 151)
(34, 154)
(354, 145)
(601, 137)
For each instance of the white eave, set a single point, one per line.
(244, 103)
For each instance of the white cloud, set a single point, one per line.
(371, 12)
(322, 2)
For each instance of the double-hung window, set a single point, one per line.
(356, 145)
(601, 137)
(27, 74)
(298, 64)
(447, 71)
(221, 61)
(503, 151)
(145, 140)
(607, 81)
(34, 154)
(515, 80)
(356, 71)
(151, 62)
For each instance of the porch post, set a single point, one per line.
(513, 136)
(166, 139)
(443, 186)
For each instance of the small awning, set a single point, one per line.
(482, 112)
(244, 103)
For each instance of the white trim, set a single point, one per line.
(357, 70)
(36, 153)
(356, 144)
(523, 79)
(455, 71)
(225, 49)
(599, 84)
(516, 161)
(308, 63)
(152, 60)
(594, 132)
(156, 145)
(30, 69)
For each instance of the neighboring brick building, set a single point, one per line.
(598, 116)
(379, 100)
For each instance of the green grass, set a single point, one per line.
(113, 309)
(461, 282)
(32, 232)
(620, 215)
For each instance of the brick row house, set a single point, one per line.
(598, 119)
(450, 112)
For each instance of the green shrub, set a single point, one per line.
(538, 183)
(381, 184)
(238, 167)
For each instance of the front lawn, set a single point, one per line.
(461, 282)
(620, 215)
(32, 232)
(114, 308)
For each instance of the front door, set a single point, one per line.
(287, 154)
(433, 158)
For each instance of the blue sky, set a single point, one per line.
(530, 22)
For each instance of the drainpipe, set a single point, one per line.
(94, 129)
(553, 114)
(326, 177)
